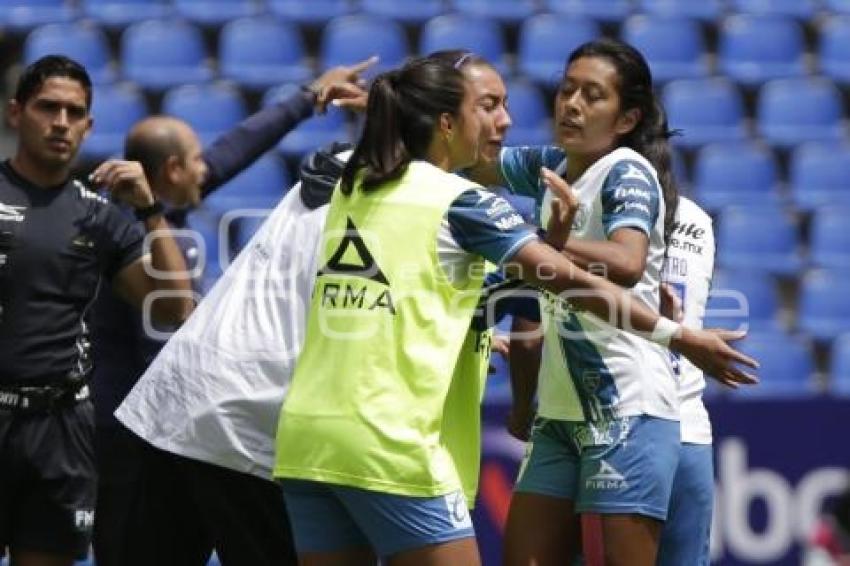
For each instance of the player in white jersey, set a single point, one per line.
(607, 436)
(687, 272)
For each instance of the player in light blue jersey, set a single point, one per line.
(607, 436)
(687, 274)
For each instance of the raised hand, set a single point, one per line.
(564, 207)
(343, 86)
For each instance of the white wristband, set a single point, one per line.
(664, 331)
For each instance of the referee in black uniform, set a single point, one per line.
(59, 243)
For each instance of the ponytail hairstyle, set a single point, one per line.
(650, 136)
(404, 107)
(460, 59)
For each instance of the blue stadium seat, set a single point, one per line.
(735, 174)
(259, 53)
(834, 49)
(840, 366)
(260, 186)
(837, 6)
(611, 11)
(824, 309)
(672, 45)
(313, 12)
(793, 111)
(786, 366)
(545, 42)
(706, 110)
(211, 109)
(758, 237)
(513, 11)
(206, 223)
(531, 124)
(704, 10)
(349, 39)
(406, 12)
(159, 54)
(753, 49)
(214, 12)
(461, 31)
(742, 299)
(802, 9)
(21, 15)
(82, 42)
(115, 109)
(121, 13)
(820, 175)
(313, 133)
(830, 238)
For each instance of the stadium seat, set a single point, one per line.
(793, 111)
(406, 12)
(840, 367)
(349, 39)
(206, 224)
(673, 46)
(610, 11)
(742, 299)
(824, 309)
(260, 186)
(753, 49)
(837, 6)
(760, 237)
(121, 13)
(830, 238)
(82, 42)
(705, 110)
(820, 175)
(483, 36)
(259, 53)
(786, 366)
(211, 109)
(735, 174)
(531, 124)
(159, 54)
(834, 49)
(802, 9)
(313, 133)
(214, 12)
(545, 42)
(314, 12)
(513, 11)
(704, 10)
(22, 15)
(115, 109)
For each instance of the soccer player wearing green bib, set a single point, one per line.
(361, 443)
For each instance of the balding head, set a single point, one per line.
(169, 152)
(153, 140)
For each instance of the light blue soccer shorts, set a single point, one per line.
(686, 535)
(327, 517)
(624, 465)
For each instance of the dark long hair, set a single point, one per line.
(650, 137)
(404, 107)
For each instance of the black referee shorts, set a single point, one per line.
(48, 480)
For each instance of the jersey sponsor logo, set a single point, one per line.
(634, 172)
(84, 519)
(353, 259)
(458, 511)
(639, 193)
(687, 237)
(607, 477)
(626, 207)
(12, 213)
